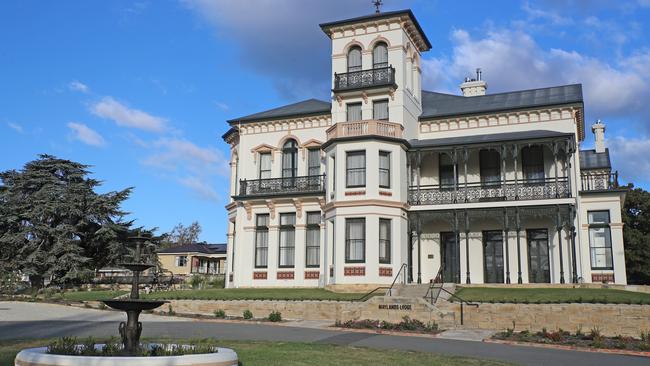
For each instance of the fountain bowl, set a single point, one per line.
(133, 304)
(40, 357)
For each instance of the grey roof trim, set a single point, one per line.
(436, 105)
(488, 138)
(590, 159)
(377, 16)
(307, 107)
(195, 248)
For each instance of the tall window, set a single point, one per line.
(181, 261)
(380, 55)
(384, 241)
(356, 169)
(532, 163)
(287, 239)
(354, 59)
(446, 169)
(261, 240)
(354, 112)
(312, 241)
(290, 159)
(380, 110)
(600, 240)
(384, 169)
(490, 167)
(313, 162)
(355, 240)
(265, 165)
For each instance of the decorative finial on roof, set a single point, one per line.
(377, 4)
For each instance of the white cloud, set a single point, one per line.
(628, 156)
(193, 166)
(201, 187)
(644, 3)
(223, 106)
(547, 15)
(16, 127)
(121, 114)
(513, 60)
(76, 85)
(86, 135)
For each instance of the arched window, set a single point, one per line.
(290, 159)
(354, 59)
(380, 55)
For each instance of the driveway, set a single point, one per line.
(19, 320)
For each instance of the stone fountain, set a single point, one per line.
(133, 306)
(130, 332)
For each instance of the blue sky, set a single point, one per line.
(141, 90)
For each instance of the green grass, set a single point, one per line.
(252, 353)
(255, 294)
(552, 295)
(91, 295)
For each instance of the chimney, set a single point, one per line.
(598, 129)
(474, 87)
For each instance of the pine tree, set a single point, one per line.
(54, 225)
(636, 235)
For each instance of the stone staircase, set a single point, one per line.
(421, 290)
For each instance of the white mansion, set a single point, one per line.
(389, 179)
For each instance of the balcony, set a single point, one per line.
(365, 128)
(509, 190)
(291, 186)
(365, 79)
(598, 181)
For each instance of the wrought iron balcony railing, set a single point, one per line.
(509, 190)
(381, 76)
(365, 127)
(599, 181)
(311, 184)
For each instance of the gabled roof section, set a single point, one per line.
(196, 248)
(424, 46)
(590, 159)
(436, 105)
(305, 108)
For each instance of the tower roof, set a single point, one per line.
(412, 27)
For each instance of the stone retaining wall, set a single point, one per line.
(610, 319)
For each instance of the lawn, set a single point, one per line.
(252, 353)
(552, 295)
(255, 294)
(91, 295)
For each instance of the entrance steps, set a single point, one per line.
(422, 290)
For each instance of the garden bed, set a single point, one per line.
(579, 339)
(290, 294)
(407, 325)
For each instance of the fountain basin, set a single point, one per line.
(40, 357)
(133, 304)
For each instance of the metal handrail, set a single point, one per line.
(368, 295)
(364, 78)
(433, 285)
(462, 301)
(283, 185)
(401, 268)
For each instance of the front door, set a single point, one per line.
(493, 256)
(450, 257)
(539, 269)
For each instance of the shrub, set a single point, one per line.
(217, 283)
(645, 336)
(170, 310)
(219, 314)
(248, 314)
(275, 316)
(596, 335)
(579, 332)
(511, 331)
(197, 281)
(102, 306)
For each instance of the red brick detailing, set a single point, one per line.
(385, 272)
(355, 193)
(259, 275)
(354, 271)
(285, 275)
(602, 277)
(312, 275)
(385, 193)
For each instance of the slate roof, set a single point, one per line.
(196, 248)
(440, 105)
(377, 16)
(590, 159)
(304, 108)
(487, 138)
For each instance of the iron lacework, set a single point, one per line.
(310, 184)
(381, 76)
